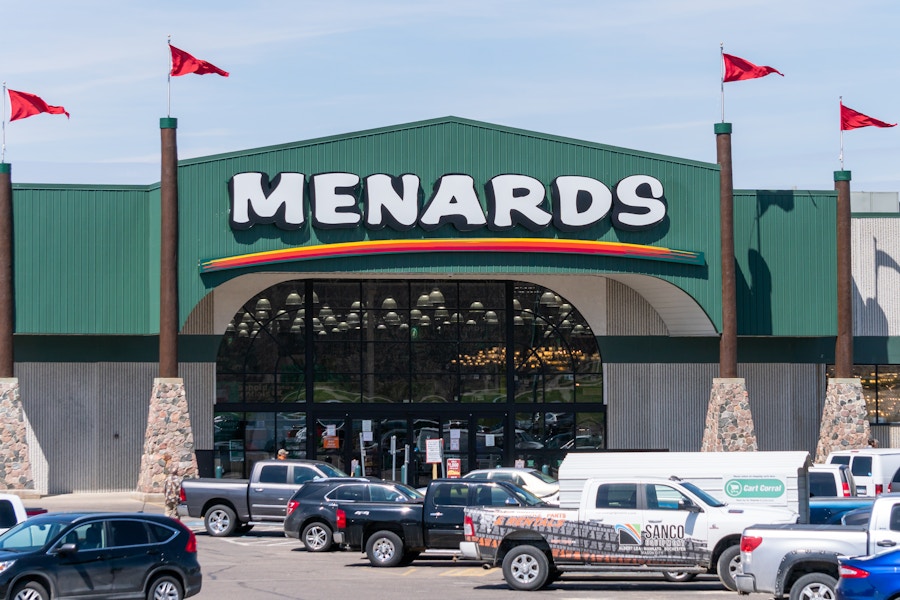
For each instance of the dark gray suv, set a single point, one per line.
(311, 510)
(99, 555)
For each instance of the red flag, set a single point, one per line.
(737, 69)
(27, 105)
(184, 64)
(851, 119)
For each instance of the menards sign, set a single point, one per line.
(340, 200)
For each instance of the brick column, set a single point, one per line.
(169, 441)
(845, 421)
(729, 424)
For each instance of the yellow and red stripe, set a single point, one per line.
(377, 247)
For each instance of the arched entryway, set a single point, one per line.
(501, 371)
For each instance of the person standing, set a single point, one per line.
(172, 488)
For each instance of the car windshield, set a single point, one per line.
(332, 471)
(30, 536)
(413, 493)
(710, 500)
(543, 476)
(525, 497)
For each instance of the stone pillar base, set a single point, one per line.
(15, 463)
(169, 441)
(845, 421)
(729, 423)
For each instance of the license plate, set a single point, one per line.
(860, 490)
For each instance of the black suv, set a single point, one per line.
(88, 555)
(311, 510)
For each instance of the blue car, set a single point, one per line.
(870, 577)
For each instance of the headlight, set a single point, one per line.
(4, 565)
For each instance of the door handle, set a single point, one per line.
(437, 514)
(259, 489)
(886, 543)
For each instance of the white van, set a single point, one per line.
(833, 479)
(872, 468)
(763, 478)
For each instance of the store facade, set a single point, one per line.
(515, 294)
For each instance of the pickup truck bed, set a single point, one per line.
(802, 560)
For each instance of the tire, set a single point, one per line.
(165, 588)
(814, 585)
(317, 537)
(30, 590)
(384, 549)
(526, 568)
(679, 576)
(220, 521)
(728, 565)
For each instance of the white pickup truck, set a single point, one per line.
(802, 560)
(622, 524)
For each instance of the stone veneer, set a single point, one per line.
(729, 423)
(15, 464)
(169, 434)
(845, 421)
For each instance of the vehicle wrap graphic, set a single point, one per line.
(590, 542)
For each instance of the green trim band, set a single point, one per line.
(5, 168)
(722, 128)
(168, 123)
(842, 175)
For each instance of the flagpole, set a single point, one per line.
(169, 82)
(841, 127)
(3, 142)
(722, 81)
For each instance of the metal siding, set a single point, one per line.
(876, 276)
(431, 149)
(75, 411)
(786, 262)
(663, 406)
(81, 260)
(629, 313)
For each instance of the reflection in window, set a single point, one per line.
(881, 390)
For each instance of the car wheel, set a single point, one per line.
(220, 521)
(814, 586)
(30, 590)
(384, 549)
(165, 588)
(679, 576)
(317, 537)
(526, 568)
(728, 566)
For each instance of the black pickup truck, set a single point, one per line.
(395, 534)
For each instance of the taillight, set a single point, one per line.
(749, 543)
(846, 572)
(878, 488)
(340, 518)
(468, 527)
(292, 506)
(182, 497)
(846, 489)
(191, 546)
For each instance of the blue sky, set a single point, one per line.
(634, 73)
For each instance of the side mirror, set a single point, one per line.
(67, 549)
(689, 506)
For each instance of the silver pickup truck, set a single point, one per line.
(802, 560)
(230, 506)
